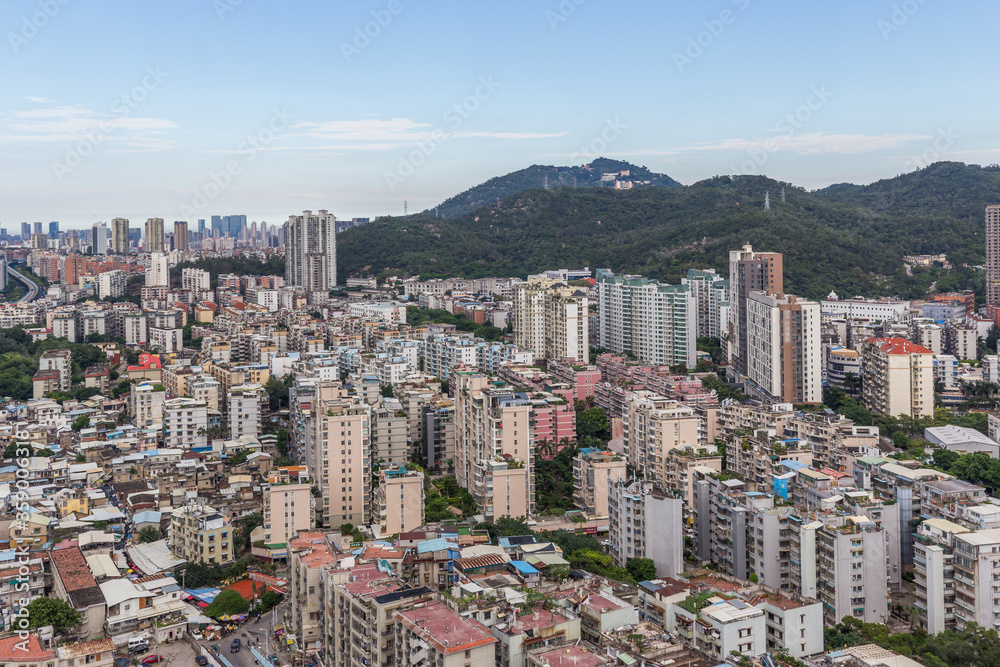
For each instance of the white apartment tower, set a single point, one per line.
(654, 322)
(551, 319)
(158, 274)
(311, 251)
(784, 352)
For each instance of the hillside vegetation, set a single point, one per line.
(850, 239)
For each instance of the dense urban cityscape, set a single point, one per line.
(499, 334)
(576, 466)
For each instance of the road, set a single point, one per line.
(261, 633)
(32, 287)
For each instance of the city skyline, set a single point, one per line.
(738, 87)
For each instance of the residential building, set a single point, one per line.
(594, 471)
(99, 238)
(311, 251)
(288, 510)
(934, 574)
(119, 236)
(551, 319)
(154, 236)
(195, 279)
(111, 283)
(180, 235)
(73, 582)
(185, 423)
(711, 295)
(646, 523)
(899, 378)
(749, 272)
(146, 405)
(245, 405)
(784, 356)
(199, 534)
(60, 361)
(436, 635)
(652, 425)
(158, 273)
(654, 322)
(993, 257)
(843, 369)
(400, 500)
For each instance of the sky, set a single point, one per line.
(192, 108)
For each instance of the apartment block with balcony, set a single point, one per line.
(550, 318)
(399, 500)
(199, 534)
(594, 471)
(899, 378)
(850, 569)
(185, 423)
(934, 574)
(436, 636)
(652, 425)
(645, 522)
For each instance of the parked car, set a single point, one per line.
(152, 659)
(201, 660)
(235, 646)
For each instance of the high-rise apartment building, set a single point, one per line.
(551, 319)
(495, 447)
(654, 322)
(652, 425)
(784, 351)
(111, 284)
(158, 273)
(993, 257)
(25, 232)
(154, 235)
(192, 279)
(711, 296)
(646, 523)
(288, 510)
(38, 228)
(119, 236)
(180, 235)
(899, 378)
(99, 238)
(749, 271)
(185, 422)
(244, 410)
(311, 251)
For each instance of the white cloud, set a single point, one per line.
(38, 100)
(511, 135)
(66, 124)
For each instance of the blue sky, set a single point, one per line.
(190, 108)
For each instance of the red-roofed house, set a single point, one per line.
(29, 651)
(148, 368)
(899, 378)
(435, 634)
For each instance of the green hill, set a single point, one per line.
(846, 238)
(538, 176)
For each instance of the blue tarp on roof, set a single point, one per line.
(792, 465)
(439, 544)
(524, 567)
(207, 595)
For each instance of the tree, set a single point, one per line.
(227, 603)
(52, 611)
(80, 423)
(18, 450)
(149, 534)
(247, 525)
(641, 569)
(593, 422)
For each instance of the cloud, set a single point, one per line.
(511, 135)
(38, 100)
(67, 124)
(810, 143)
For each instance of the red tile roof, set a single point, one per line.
(899, 346)
(15, 649)
(74, 573)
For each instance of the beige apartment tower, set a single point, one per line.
(749, 271)
(154, 235)
(311, 251)
(993, 255)
(180, 235)
(119, 236)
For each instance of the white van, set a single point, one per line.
(137, 644)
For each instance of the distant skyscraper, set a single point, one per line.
(311, 251)
(53, 229)
(201, 227)
(154, 235)
(749, 271)
(100, 238)
(993, 258)
(25, 231)
(216, 225)
(38, 228)
(119, 236)
(180, 235)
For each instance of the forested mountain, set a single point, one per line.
(847, 238)
(540, 176)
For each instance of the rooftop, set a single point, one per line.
(444, 629)
(570, 656)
